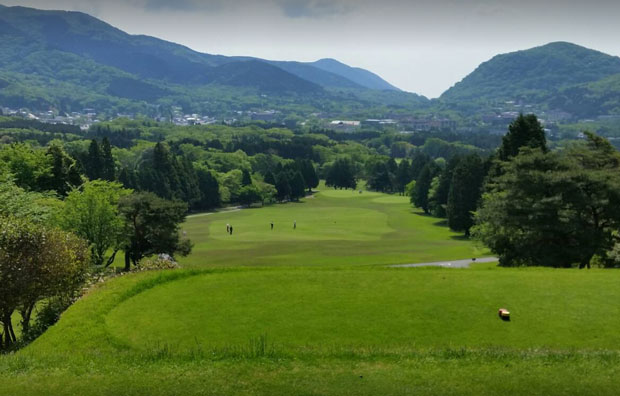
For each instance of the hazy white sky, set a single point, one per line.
(421, 46)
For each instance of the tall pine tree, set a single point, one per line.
(465, 192)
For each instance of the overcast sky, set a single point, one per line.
(421, 46)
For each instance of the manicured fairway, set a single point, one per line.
(340, 227)
(317, 311)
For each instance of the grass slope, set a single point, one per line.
(232, 327)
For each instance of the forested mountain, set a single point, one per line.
(70, 60)
(359, 76)
(553, 74)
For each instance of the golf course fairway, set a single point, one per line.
(317, 310)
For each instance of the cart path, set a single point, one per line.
(449, 264)
(224, 210)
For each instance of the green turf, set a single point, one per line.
(336, 227)
(315, 311)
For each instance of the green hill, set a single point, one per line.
(596, 98)
(535, 75)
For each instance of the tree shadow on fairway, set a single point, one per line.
(420, 213)
(441, 223)
(459, 237)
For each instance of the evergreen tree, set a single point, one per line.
(270, 178)
(525, 131)
(128, 178)
(283, 187)
(465, 192)
(381, 179)
(423, 185)
(298, 186)
(209, 189)
(108, 167)
(94, 161)
(404, 175)
(246, 179)
(392, 166)
(418, 162)
(64, 172)
(438, 200)
(341, 174)
(309, 173)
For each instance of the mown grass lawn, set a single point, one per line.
(250, 317)
(336, 227)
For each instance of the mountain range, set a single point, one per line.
(71, 60)
(43, 53)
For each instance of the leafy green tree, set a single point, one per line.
(341, 174)
(36, 263)
(267, 191)
(553, 209)
(91, 212)
(525, 131)
(31, 169)
(152, 227)
(15, 201)
(249, 195)
(465, 192)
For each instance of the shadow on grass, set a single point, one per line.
(460, 237)
(441, 223)
(420, 213)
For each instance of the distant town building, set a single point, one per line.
(425, 125)
(269, 115)
(344, 126)
(371, 122)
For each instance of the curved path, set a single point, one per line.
(449, 264)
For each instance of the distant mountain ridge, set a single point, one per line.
(357, 75)
(152, 58)
(69, 61)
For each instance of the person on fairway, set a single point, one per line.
(295, 224)
(228, 228)
(272, 225)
